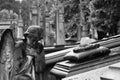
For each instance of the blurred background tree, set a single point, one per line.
(25, 13)
(71, 17)
(105, 15)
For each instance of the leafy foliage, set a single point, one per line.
(105, 15)
(71, 16)
(25, 13)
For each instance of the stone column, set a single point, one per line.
(34, 15)
(20, 27)
(35, 12)
(20, 30)
(47, 32)
(79, 32)
(60, 36)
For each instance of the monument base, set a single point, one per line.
(66, 68)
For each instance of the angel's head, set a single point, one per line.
(33, 34)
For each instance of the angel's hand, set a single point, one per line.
(32, 52)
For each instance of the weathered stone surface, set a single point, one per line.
(6, 54)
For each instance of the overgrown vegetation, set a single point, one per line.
(72, 17)
(105, 15)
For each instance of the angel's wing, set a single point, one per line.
(7, 46)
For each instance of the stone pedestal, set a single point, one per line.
(92, 70)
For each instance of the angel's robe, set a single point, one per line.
(21, 61)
